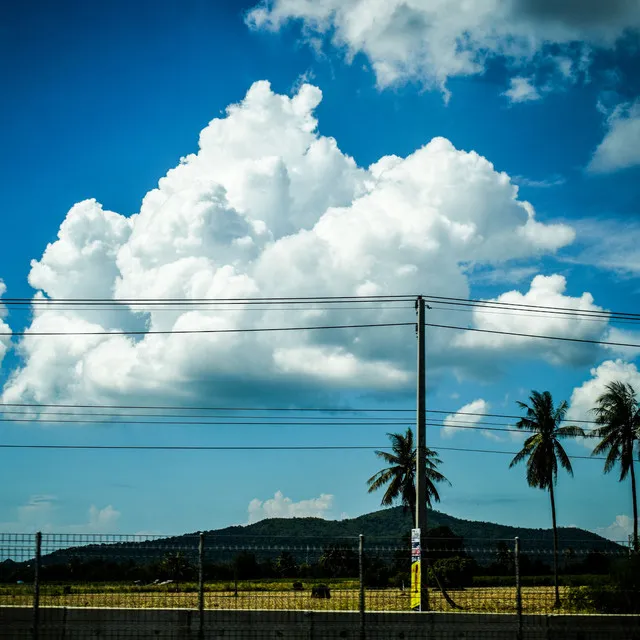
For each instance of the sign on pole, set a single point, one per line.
(416, 577)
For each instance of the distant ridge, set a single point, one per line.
(386, 527)
(394, 522)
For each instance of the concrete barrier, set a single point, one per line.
(58, 623)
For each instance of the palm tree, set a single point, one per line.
(400, 475)
(542, 449)
(617, 411)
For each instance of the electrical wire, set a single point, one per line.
(201, 331)
(374, 410)
(525, 306)
(535, 335)
(605, 319)
(208, 301)
(133, 447)
(429, 298)
(275, 423)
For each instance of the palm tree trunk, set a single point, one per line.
(555, 546)
(635, 507)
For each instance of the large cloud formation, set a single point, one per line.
(269, 207)
(429, 42)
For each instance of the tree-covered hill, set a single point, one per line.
(387, 527)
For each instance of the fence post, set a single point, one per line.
(516, 562)
(362, 601)
(36, 586)
(201, 586)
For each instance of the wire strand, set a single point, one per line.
(101, 447)
(202, 331)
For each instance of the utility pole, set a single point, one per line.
(421, 444)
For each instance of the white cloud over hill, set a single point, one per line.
(282, 507)
(269, 207)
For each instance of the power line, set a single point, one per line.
(210, 408)
(358, 410)
(100, 447)
(397, 423)
(310, 419)
(509, 453)
(535, 335)
(494, 415)
(216, 308)
(212, 301)
(526, 306)
(312, 328)
(184, 447)
(498, 304)
(204, 423)
(272, 419)
(604, 319)
(198, 331)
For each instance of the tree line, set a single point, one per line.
(616, 416)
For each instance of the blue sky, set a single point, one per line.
(104, 99)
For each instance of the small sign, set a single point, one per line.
(416, 574)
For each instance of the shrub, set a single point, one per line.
(580, 599)
(622, 595)
(298, 586)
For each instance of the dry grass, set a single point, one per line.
(477, 599)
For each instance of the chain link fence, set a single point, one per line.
(208, 585)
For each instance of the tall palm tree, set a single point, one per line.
(617, 411)
(400, 475)
(542, 450)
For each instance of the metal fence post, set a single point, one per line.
(362, 601)
(516, 562)
(36, 586)
(201, 586)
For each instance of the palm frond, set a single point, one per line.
(388, 457)
(570, 431)
(563, 457)
(379, 479)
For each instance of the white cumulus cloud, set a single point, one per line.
(430, 41)
(583, 398)
(462, 417)
(620, 147)
(619, 530)
(522, 90)
(269, 207)
(547, 291)
(42, 513)
(282, 507)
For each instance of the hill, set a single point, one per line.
(393, 523)
(385, 528)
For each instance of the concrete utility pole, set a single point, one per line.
(421, 443)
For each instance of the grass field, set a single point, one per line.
(274, 595)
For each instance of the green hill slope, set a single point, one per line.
(382, 529)
(391, 524)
